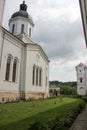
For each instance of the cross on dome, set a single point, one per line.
(23, 6)
(24, 2)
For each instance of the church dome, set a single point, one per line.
(23, 13)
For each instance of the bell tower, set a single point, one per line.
(81, 79)
(21, 22)
(2, 4)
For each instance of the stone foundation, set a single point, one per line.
(8, 97)
(12, 97)
(33, 95)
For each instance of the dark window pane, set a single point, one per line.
(22, 28)
(37, 76)
(40, 77)
(29, 32)
(8, 68)
(33, 75)
(14, 70)
(13, 28)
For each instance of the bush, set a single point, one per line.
(84, 98)
(66, 90)
(38, 126)
(69, 118)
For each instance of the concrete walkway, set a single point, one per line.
(81, 121)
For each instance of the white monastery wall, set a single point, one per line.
(13, 48)
(34, 57)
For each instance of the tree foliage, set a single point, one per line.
(66, 88)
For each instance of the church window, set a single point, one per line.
(22, 28)
(29, 32)
(46, 81)
(40, 77)
(37, 76)
(33, 79)
(81, 79)
(14, 70)
(13, 28)
(8, 68)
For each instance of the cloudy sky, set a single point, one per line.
(58, 29)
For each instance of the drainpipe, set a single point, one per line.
(22, 73)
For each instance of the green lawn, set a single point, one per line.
(18, 116)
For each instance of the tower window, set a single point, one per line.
(81, 79)
(13, 28)
(29, 32)
(22, 28)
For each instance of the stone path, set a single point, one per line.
(81, 121)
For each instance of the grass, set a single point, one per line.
(19, 116)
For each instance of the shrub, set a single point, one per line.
(84, 98)
(38, 126)
(66, 90)
(69, 118)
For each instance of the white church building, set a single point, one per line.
(24, 66)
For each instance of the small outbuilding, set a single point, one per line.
(54, 91)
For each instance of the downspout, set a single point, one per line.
(22, 73)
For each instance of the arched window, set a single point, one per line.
(22, 28)
(13, 28)
(8, 68)
(29, 32)
(33, 78)
(40, 77)
(37, 76)
(14, 70)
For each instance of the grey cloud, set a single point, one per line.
(60, 39)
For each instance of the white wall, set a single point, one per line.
(12, 47)
(18, 22)
(31, 60)
(81, 87)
